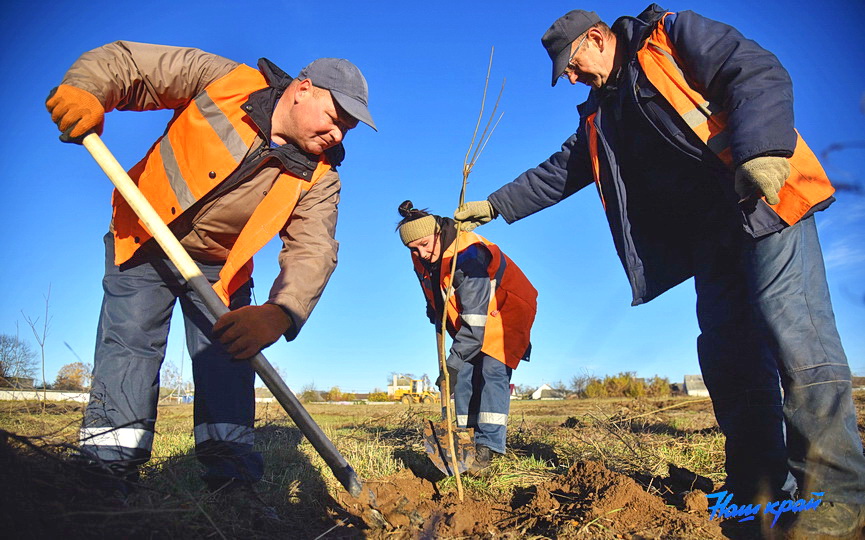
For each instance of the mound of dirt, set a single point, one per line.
(404, 505)
(588, 501)
(593, 502)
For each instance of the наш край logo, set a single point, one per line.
(746, 512)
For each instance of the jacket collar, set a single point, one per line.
(635, 30)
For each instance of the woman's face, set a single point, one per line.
(427, 248)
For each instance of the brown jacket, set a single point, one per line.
(140, 77)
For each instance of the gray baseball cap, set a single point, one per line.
(557, 40)
(346, 84)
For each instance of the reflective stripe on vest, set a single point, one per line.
(204, 144)
(807, 184)
(512, 306)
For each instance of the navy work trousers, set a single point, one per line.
(482, 399)
(767, 324)
(133, 330)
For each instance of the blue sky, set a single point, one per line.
(425, 67)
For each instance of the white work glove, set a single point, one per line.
(764, 174)
(475, 213)
(452, 375)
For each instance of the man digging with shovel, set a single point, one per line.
(248, 154)
(490, 316)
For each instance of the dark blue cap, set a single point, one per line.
(557, 40)
(346, 84)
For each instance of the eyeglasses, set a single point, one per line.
(570, 68)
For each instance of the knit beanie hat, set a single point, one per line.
(415, 223)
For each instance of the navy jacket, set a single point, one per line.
(663, 188)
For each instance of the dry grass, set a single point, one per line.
(639, 438)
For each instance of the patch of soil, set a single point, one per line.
(588, 501)
(573, 422)
(696, 502)
(404, 505)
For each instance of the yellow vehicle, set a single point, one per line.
(408, 390)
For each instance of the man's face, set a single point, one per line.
(589, 64)
(315, 122)
(427, 248)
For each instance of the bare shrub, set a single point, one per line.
(17, 358)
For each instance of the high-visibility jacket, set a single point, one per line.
(807, 184)
(512, 304)
(204, 144)
(679, 114)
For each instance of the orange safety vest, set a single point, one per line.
(512, 307)
(807, 184)
(204, 144)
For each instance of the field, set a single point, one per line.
(614, 468)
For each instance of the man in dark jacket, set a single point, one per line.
(688, 135)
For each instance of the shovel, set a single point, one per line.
(190, 271)
(451, 450)
(438, 449)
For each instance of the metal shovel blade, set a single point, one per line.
(435, 441)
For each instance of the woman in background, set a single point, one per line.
(489, 317)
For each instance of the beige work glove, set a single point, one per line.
(474, 214)
(248, 330)
(765, 174)
(452, 375)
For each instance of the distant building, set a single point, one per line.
(181, 398)
(17, 382)
(546, 391)
(694, 386)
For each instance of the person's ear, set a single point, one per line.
(303, 90)
(596, 36)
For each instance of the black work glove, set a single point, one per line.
(453, 373)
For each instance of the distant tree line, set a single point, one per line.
(625, 384)
(310, 394)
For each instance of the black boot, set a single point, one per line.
(240, 498)
(483, 458)
(117, 479)
(830, 520)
